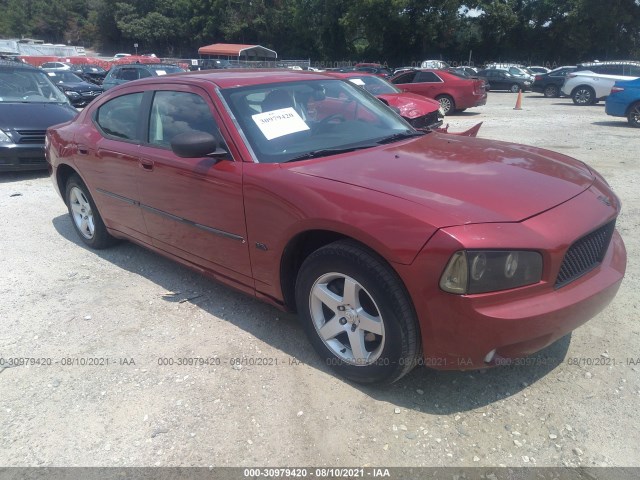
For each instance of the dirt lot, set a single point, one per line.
(132, 308)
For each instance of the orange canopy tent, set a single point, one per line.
(237, 51)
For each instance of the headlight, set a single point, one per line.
(71, 93)
(4, 138)
(480, 271)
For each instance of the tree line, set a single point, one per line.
(394, 31)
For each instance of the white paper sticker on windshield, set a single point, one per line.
(51, 74)
(278, 123)
(357, 81)
(161, 72)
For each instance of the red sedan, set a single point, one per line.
(419, 111)
(455, 93)
(395, 246)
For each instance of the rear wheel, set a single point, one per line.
(447, 103)
(634, 115)
(85, 216)
(357, 313)
(515, 88)
(551, 91)
(583, 95)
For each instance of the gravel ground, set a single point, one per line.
(132, 308)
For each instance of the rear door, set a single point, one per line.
(108, 154)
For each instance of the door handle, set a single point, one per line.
(146, 164)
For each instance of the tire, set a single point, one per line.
(375, 314)
(634, 115)
(85, 216)
(551, 91)
(447, 103)
(583, 95)
(515, 88)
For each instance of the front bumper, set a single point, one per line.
(14, 158)
(459, 331)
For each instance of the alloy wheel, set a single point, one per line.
(347, 319)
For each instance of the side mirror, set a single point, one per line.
(193, 144)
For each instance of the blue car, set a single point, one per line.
(624, 101)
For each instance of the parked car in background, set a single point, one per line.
(55, 66)
(515, 70)
(452, 91)
(539, 70)
(550, 84)
(119, 74)
(467, 72)
(419, 111)
(503, 80)
(396, 247)
(89, 72)
(588, 88)
(434, 64)
(29, 104)
(624, 101)
(621, 68)
(80, 93)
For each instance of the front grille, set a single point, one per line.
(426, 121)
(31, 136)
(585, 254)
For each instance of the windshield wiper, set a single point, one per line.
(399, 136)
(326, 152)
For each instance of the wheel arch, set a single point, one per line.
(63, 173)
(304, 244)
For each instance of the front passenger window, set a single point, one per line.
(173, 113)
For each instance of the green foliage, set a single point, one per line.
(396, 31)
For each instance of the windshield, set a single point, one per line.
(296, 120)
(165, 69)
(374, 85)
(64, 77)
(28, 86)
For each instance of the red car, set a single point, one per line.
(419, 111)
(395, 246)
(455, 93)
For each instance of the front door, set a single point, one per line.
(193, 207)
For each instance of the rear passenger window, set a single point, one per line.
(424, 77)
(173, 113)
(120, 117)
(406, 78)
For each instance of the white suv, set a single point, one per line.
(587, 88)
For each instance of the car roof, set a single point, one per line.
(229, 78)
(609, 62)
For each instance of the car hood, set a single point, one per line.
(460, 180)
(34, 116)
(410, 105)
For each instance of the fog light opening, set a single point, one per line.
(490, 355)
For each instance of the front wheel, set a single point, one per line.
(357, 313)
(515, 88)
(583, 96)
(634, 115)
(447, 103)
(85, 216)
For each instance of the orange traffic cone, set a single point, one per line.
(518, 101)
